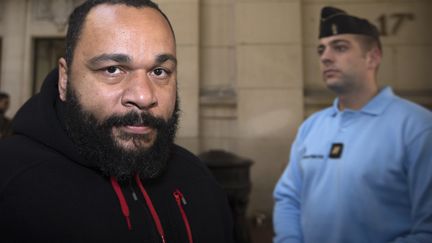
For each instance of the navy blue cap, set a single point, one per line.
(335, 21)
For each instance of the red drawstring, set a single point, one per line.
(121, 198)
(152, 209)
(180, 202)
(125, 209)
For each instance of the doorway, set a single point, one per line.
(47, 52)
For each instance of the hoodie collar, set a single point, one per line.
(38, 119)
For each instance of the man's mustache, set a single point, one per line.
(134, 119)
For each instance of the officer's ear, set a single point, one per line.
(374, 58)
(63, 78)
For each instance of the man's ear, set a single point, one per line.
(374, 58)
(63, 78)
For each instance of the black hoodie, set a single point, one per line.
(48, 193)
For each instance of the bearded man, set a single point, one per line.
(93, 158)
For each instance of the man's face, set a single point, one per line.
(343, 62)
(124, 61)
(95, 142)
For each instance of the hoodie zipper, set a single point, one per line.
(181, 201)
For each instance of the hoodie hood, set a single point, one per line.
(38, 120)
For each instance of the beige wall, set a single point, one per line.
(248, 70)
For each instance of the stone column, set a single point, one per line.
(184, 15)
(13, 52)
(270, 89)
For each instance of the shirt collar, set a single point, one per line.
(375, 106)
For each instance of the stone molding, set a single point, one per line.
(55, 11)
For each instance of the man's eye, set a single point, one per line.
(112, 70)
(160, 72)
(340, 48)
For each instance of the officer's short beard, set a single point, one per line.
(95, 141)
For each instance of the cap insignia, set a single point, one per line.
(334, 29)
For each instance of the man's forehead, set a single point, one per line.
(347, 38)
(115, 12)
(110, 19)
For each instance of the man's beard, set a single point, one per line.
(95, 141)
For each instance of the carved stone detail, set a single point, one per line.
(55, 11)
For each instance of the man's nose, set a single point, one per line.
(139, 92)
(326, 56)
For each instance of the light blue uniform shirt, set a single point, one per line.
(378, 190)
